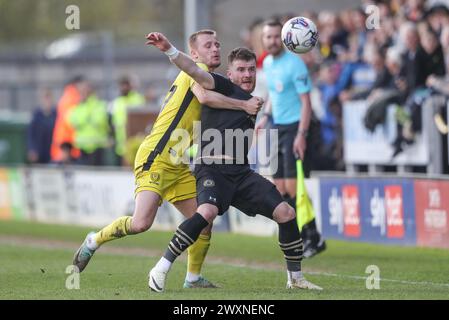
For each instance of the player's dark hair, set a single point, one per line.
(241, 53)
(273, 23)
(194, 36)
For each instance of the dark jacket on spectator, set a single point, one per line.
(40, 133)
(414, 69)
(434, 63)
(384, 80)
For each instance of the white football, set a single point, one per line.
(299, 35)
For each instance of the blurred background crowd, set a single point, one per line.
(404, 60)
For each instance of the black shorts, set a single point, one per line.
(286, 160)
(237, 186)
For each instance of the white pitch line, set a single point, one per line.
(380, 279)
(328, 274)
(54, 244)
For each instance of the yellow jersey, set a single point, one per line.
(181, 108)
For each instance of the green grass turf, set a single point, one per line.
(245, 267)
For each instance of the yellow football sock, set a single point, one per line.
(117, 229)
(197, 254)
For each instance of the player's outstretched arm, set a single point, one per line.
(203, 78)
(218, 101)
(181, 60)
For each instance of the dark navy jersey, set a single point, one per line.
(233, 128)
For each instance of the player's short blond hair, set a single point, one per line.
(194, 36)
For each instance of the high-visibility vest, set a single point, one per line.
(63, 131)
(119, 117)
(90, 121)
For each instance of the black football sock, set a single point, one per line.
(186, 234)
(291, 201)
(291, 244)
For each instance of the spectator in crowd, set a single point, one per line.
(434, 62)
(361, 33)
(396, 5)
(346, 21)
(90, 121)
(440, 83)
(414, 58)
(66, 155)
(383, 38)
(40, 130)
(330, 150)
(414, 10)
(334, 38)
(438, 17)
(390, 91)
(128, 98)
(383, 79)
(63, 131)
(413, 69)
(431, 63)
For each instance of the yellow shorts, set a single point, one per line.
(172, 182)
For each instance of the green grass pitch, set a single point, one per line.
(34, 258)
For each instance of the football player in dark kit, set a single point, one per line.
(223, 175)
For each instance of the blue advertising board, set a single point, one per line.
(375, 210)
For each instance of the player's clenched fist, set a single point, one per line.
(253, 105)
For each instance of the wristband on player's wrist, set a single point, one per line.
(172, 53)
(268, 115)
(303, 133)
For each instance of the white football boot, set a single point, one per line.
(302, 283)
(156, 280)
